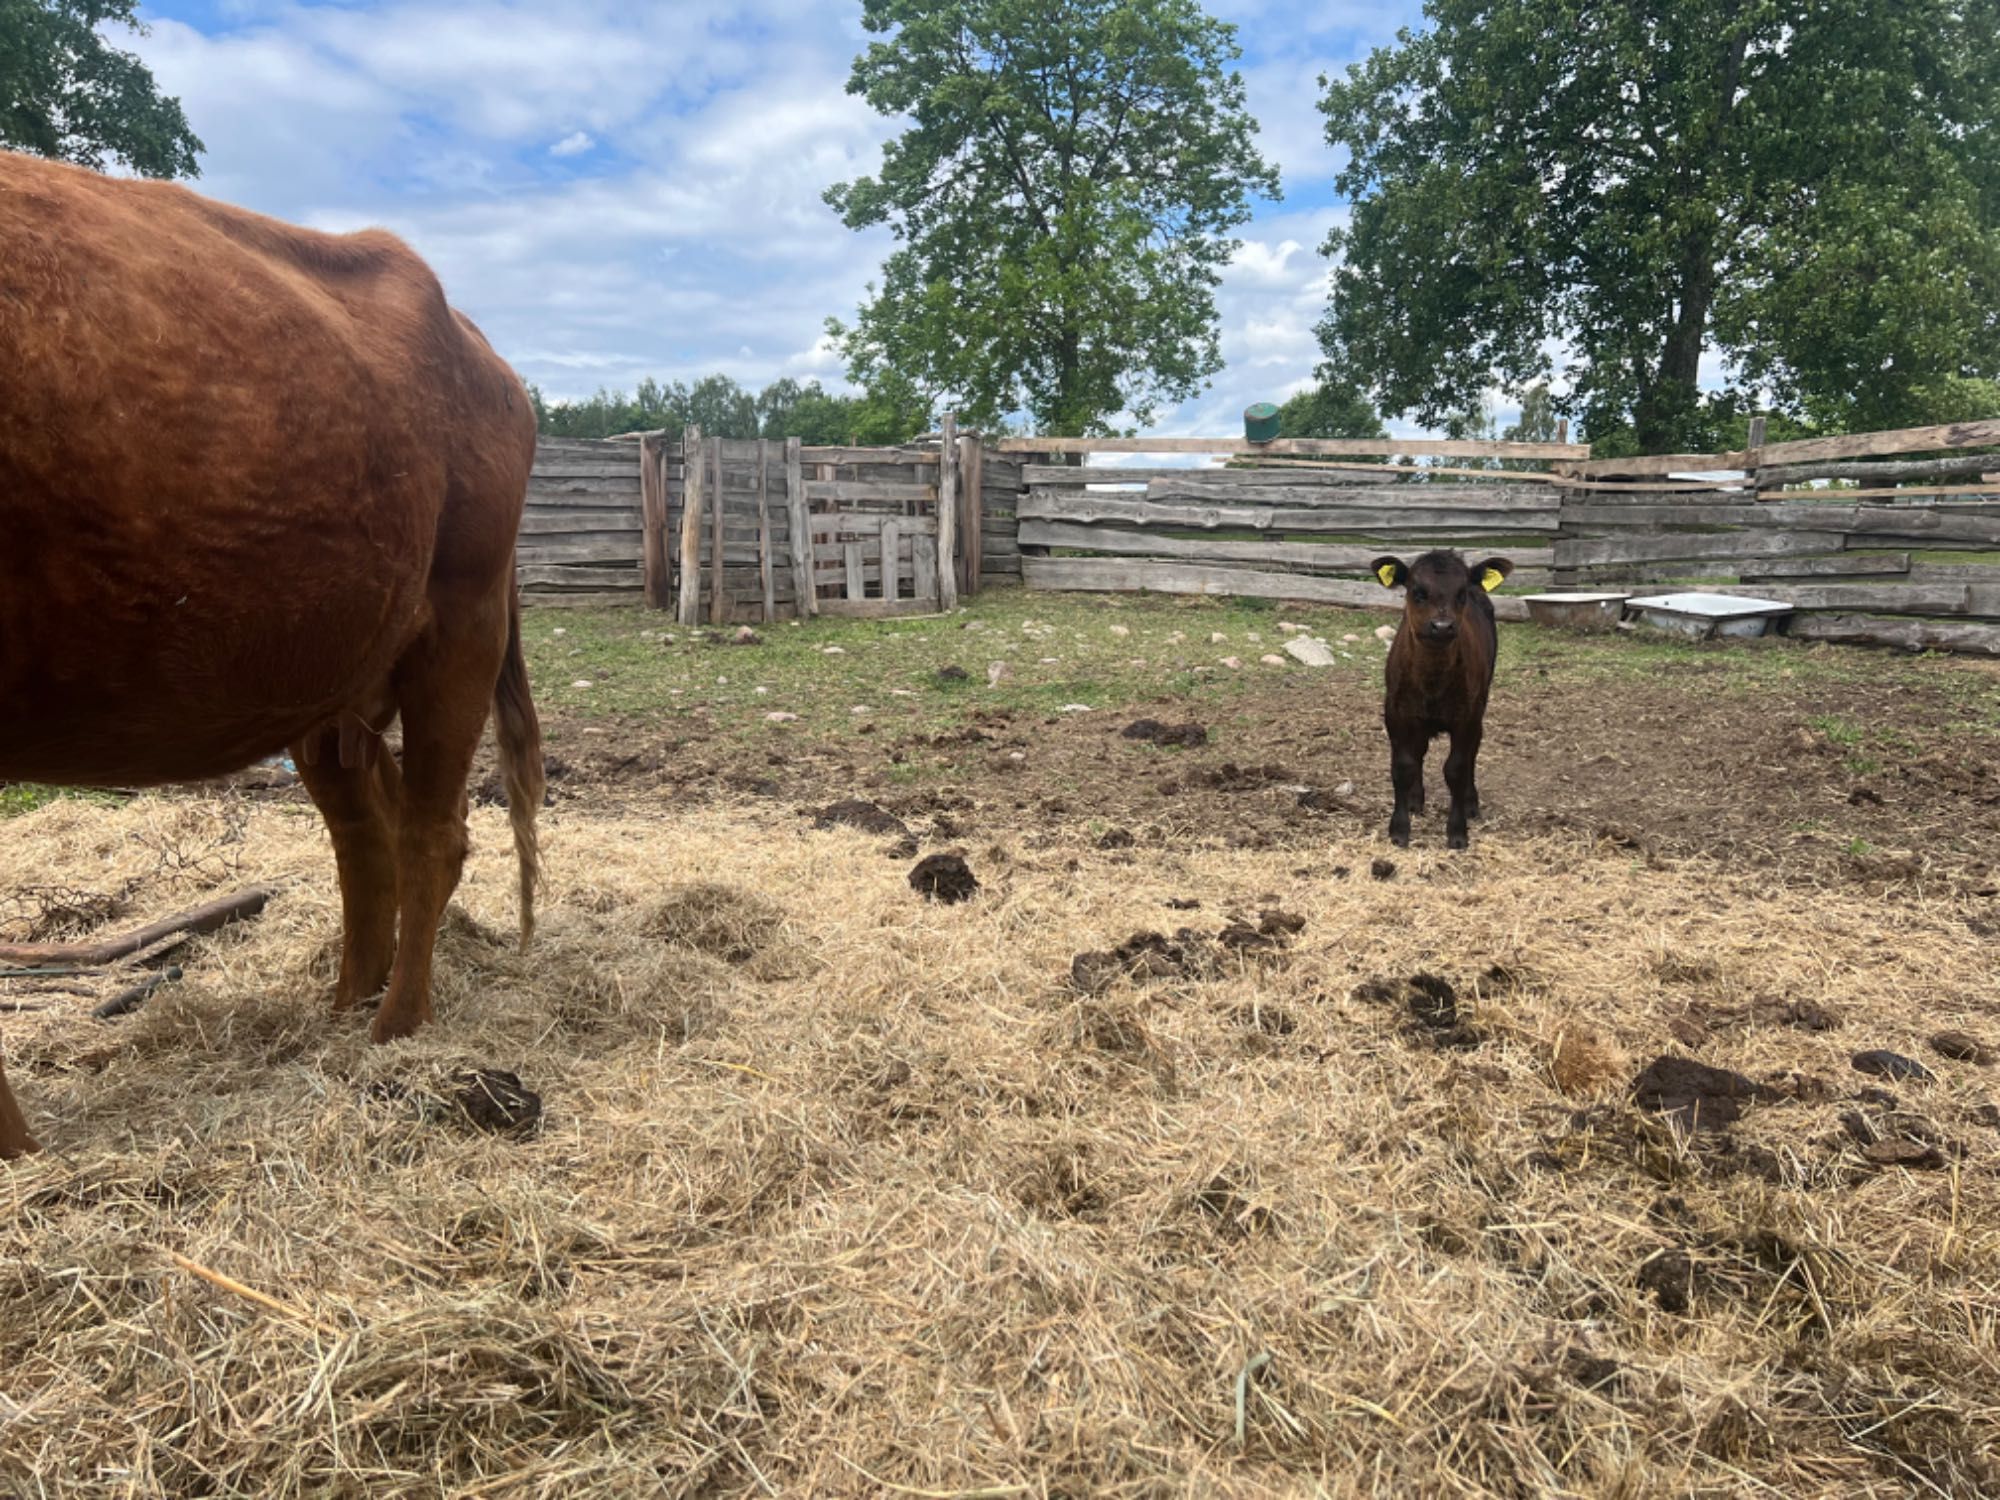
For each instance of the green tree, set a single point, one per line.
(1331, 409)
(66, 92)
(1063, 198)
(1810, 188)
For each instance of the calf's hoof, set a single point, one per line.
(14, 1150)
(1457, 841)
(1400, 837)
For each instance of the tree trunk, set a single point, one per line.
(1668, 402)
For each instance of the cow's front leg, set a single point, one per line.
(1458, 775)
(1406, 772)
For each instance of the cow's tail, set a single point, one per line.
(518, 733)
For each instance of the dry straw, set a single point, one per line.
(842, 1192)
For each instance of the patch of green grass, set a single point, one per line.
(18, 797)
(1105, 652)
(1836, 729)
(1134, 653)
(1863, 765)
(1858, 847)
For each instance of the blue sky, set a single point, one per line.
(620, 190)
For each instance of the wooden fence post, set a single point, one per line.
(947, 514)
(1754, 456)
(802, 542)
(689, 612)
(972, 477)
(764, 530)
(653, 522)
(718, 601)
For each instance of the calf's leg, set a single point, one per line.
(359, 805)
(1406, 772)
(14, 1138)
(444, 685)
(1458, 776)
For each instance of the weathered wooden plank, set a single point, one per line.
(1915, 494)
(801, 533)
(851, 554)
(1324, 557)
(972, 528)
(892, 559)
(1874, 598)
(764, 558)
(653, 522)
(620, 549)
(689, 611)
(1775, 516)
(1090, 506)
(1771, 476)
(923, 566)
(1113, 575)
(848, 523)
(1299, 447)
(1984, 434)
(846, 492)
(581, 599)
(1842, 564)
(1689, 547)
(580, 522)
(947, 514)
(1384, 473)
(539, 576)
(1908, 635)
(822, 454)
(1935, 524)
(1230, 490)
(717, 505)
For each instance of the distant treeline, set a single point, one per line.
(722, 408)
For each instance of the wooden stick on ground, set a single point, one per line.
(250, 1294)
(133, 996)
(207, 917)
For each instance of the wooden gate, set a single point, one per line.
(757, 529)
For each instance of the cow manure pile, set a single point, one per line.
(1153, 732)
(1150, 957)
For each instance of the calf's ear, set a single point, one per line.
(1492, 573)
(1391, 570)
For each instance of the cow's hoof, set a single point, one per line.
(1457, 841)
(1400, 839)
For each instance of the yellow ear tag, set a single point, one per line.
(1387, 573)
(1491, 579)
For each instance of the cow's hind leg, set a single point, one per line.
(1458, 775)
(358, 803)
(444, 686)
(14, 1138)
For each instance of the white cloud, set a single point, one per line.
(614, 191)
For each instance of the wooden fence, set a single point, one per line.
(580, 534)
(1901, 536)
(607, 521)
(1890, 537)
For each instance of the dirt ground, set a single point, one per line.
(1189, 1140)
(1877, 776)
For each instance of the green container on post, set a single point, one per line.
(1260, 422)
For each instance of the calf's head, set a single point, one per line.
(1438, 588)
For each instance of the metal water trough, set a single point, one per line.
(1576, 611)
(1700, 616)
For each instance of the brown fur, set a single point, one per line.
(1439, 674)
(259, 488)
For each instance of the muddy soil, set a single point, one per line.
(1665, 766)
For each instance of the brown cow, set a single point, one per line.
(259, 489)
(1440, 672)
